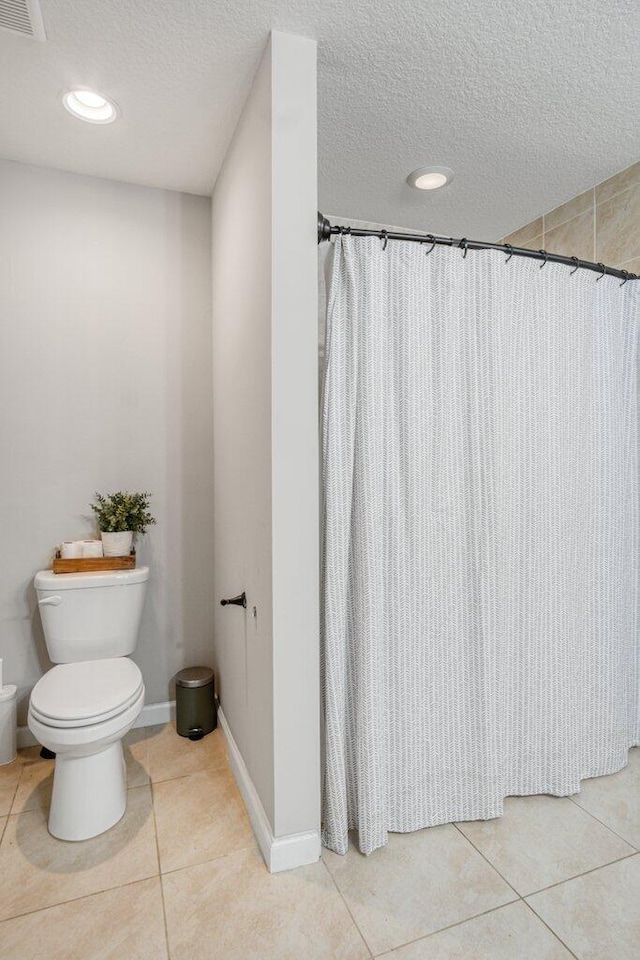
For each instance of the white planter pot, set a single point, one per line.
(117, 544)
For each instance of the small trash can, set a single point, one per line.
(195, 703)
(8, 724)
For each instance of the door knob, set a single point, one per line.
(239, 601)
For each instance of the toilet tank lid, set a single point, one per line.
(48, 580)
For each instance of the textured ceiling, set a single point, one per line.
(529, 103)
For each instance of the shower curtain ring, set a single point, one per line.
(430, 237)
(545, 255)
(625, 274)
(384, 238)
(577, 266)
(463, 244)
(604, 270)
(508, 247)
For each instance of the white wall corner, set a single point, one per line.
(294, 438)
(279, 853)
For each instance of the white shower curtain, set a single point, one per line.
(481, 552)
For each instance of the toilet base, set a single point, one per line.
(89, 793)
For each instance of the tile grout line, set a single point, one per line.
(605, 825)
(523, 896)
(84, 896)
(628, 260)
(551, 930)
(534, 893)
(486, 859)
(193, 773)
(157, 845)
(347, 907)
(595, 214)
(618, 193)
(223, 856)
(451, 926)
(563, 223)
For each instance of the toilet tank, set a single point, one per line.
(91, 616)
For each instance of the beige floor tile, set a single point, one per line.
(169, 755)
(616, 799)
(597, 915)
(9, 777)
(233, 909)
(509, 933)
(419, 883)
(122, 924)
(198, 818)
(38, 871)
(36, 780)
(544, 840)
(3, 823)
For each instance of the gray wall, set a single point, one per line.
(105, 383)
(241, 249)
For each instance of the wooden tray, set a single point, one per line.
(94, 564)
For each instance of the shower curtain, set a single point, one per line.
(481, 556)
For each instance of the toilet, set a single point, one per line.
(82, 708)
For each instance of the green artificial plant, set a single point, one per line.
(120, 512)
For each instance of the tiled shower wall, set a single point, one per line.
(602, 224)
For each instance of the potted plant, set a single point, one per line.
(120, 516)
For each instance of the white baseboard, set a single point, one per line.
(280, 853)
(154, 714)
(151, 715)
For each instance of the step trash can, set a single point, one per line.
(195, 702)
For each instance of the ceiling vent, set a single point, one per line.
(22, 17)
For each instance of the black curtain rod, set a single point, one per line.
(326, 230)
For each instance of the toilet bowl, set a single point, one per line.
(81, 711)
(82, 708)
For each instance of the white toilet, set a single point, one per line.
(82, 708)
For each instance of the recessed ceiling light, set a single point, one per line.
(87, 105)
(430, 178)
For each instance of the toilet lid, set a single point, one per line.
(86, 692)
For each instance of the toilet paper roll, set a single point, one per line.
(71, 549)
(92, 548)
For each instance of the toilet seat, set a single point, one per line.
(86, 693)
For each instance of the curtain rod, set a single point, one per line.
(326, 230)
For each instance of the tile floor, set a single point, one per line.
(180, 876)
